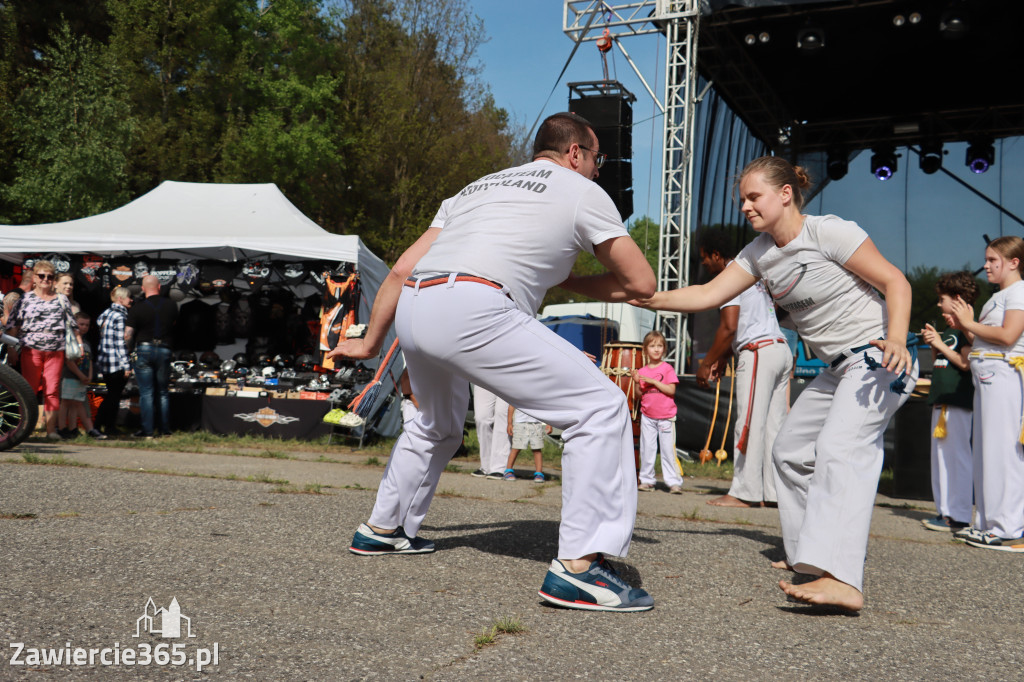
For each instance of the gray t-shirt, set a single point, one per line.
(522, 227)
(832, 308)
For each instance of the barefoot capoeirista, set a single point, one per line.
(730, 501)
(782, 565)
(826, 591)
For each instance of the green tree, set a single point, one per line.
(72, 130)
(419, 127)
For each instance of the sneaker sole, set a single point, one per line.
(1019, 548)
(379, 552)
(590, 606)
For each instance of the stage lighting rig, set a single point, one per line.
(980, 155)
(931, 157)
(954, 21)
(836, 165)
(883, 162)
(810, 38)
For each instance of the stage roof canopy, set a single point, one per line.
(869, 72)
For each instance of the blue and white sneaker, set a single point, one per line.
(367, 543)
(990, 540)
(599, 588)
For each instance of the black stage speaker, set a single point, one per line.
(612, 119)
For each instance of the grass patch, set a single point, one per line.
(372, 462)
(693, 515)
(510, 625)
(16, 516)
(272, 454)
(709, 470)
(506, 625)
(447, 492)
(453, 468)
(56, 460)
(314, 489)
(265, 478)
(486, 637)
(355, 486)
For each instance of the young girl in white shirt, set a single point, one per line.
(997, 365)
(824, 271)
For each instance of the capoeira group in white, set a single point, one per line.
(464, 298)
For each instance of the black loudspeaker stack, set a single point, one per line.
(612, 118)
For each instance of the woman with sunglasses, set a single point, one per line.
(41, 318)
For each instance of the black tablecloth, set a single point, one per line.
(272, 417)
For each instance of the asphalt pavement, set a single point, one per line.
(253, 552)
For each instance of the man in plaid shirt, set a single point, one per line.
(112, 358)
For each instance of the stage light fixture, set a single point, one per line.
(954, 21)
(931, 157)
(764, 36)
(883, 162)
(836, 164)
(810, 38)
(915, 17)
(750, 39)
(899, 20)
(980, 156)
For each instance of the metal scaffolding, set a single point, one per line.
(677, 20)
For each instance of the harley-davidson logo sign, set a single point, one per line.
(266, 417)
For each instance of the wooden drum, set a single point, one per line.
(618, 362)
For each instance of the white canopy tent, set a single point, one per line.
(192, 221)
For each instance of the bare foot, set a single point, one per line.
(826, 591)
(730, 501)
(782, 565)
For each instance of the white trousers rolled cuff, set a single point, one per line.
(659, 435)
(464, 332)
(952, 464)
(753, 478)
(828, 458)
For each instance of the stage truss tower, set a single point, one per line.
(585, 20)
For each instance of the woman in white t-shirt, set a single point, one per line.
(824, 271)
(997, 365)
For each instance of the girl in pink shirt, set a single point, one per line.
(656, 382)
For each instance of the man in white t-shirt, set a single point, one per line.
(464, 299)
(749, 330)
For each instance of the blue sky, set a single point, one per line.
(944, 221)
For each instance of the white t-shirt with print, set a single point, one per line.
(522, 227)
(832, 308)
(757, 319)
(1010, 298)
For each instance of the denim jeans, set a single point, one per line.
(153, 374)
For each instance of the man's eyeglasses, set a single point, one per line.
(600, 156)
(45, 277)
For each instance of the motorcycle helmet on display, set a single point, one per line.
(269, 372)
(263, 360)
(227, 368)
(284, 360)
(240, 359)
(209, 361)
(305, 363)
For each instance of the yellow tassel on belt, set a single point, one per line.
(940, 427)
(1017, 362)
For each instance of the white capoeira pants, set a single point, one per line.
(753, 478)
(462, 332)
(828, 457)
(655, 435)
(952, 474)
(491, 416)
(998, 454)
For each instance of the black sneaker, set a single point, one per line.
(143, 435)
(96, 434)
(68, 434)
(479, 473)
(496, 476)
